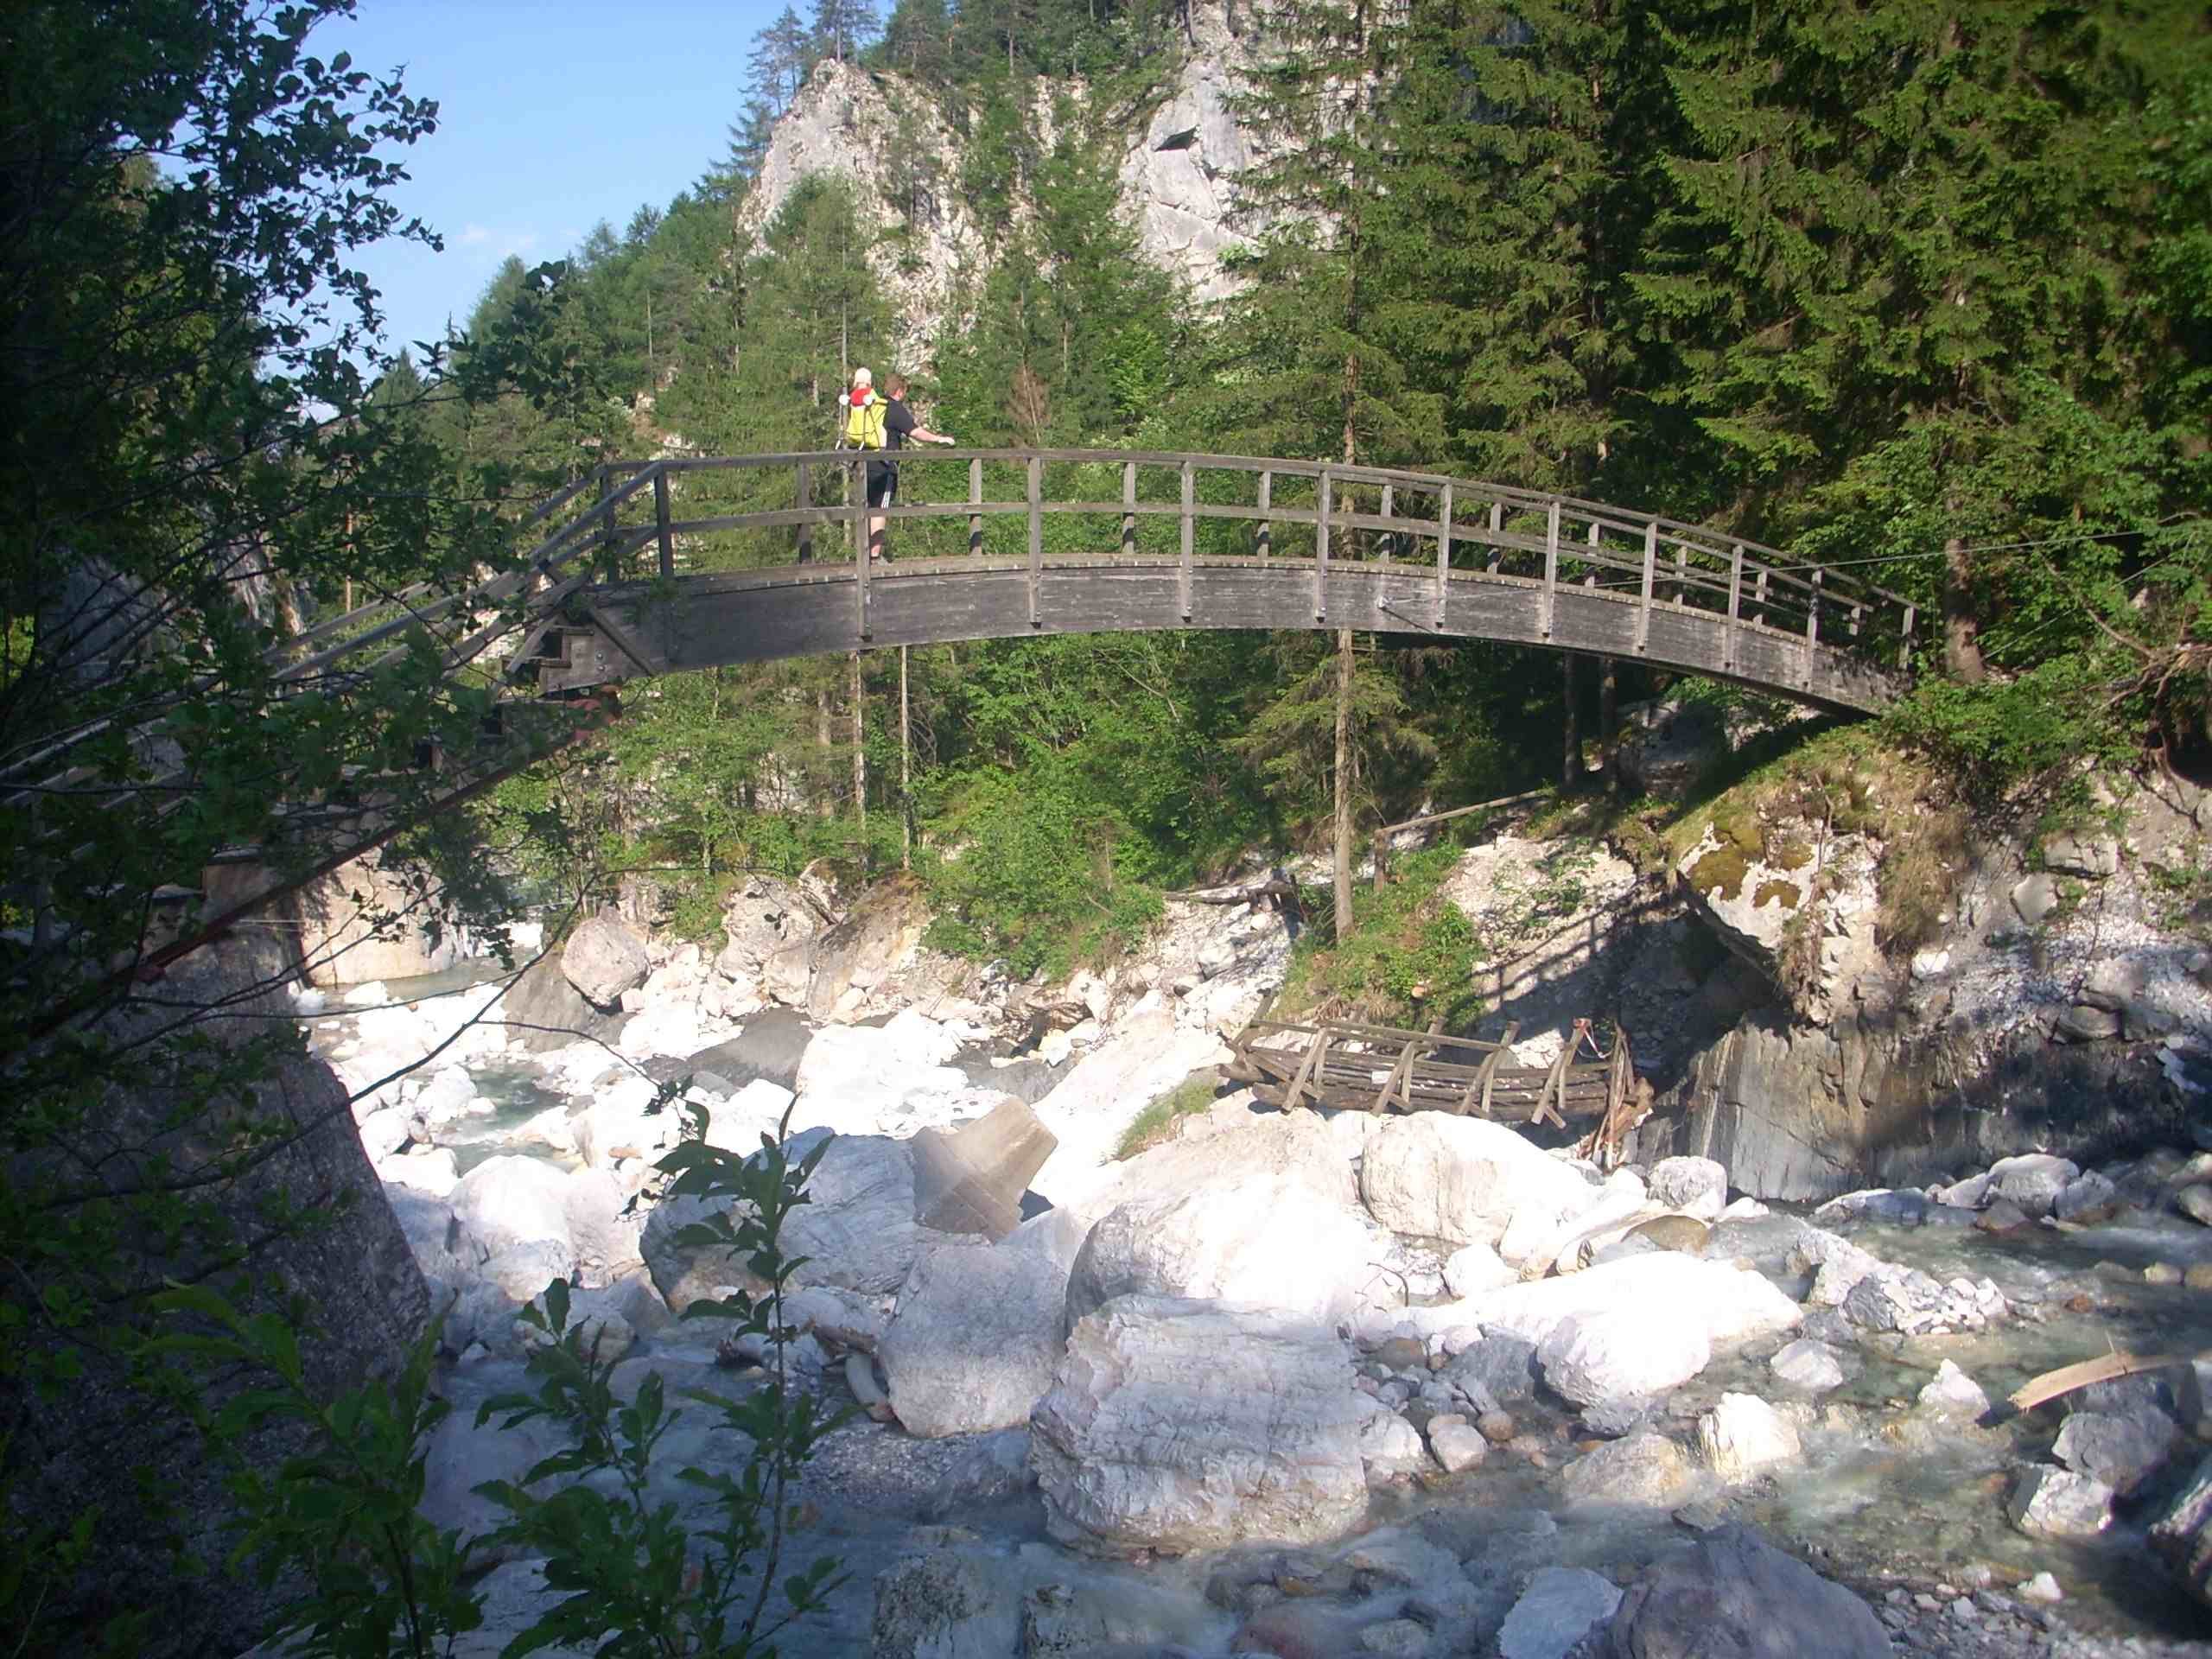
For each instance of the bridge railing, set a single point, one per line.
(1021, 505)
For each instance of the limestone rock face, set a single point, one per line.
(1734, 1594)
(603, 958)
(1761, 898)
(1175, 1426)
(976, 1338)
(341, 939)
(355, 1275)
(1462, 1180)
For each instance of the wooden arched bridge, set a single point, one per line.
(687, 562)
(1074, 541)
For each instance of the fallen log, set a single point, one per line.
(2103, 1369)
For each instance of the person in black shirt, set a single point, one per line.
(899, 426)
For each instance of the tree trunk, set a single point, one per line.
(1344, 784)
(1609, 736)
(859, 754)
(1962, 629)
(1570, 765)
(906, 772)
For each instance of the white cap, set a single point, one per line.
(862, 377)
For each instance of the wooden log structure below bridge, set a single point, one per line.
(1346, 1066)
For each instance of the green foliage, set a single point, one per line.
(1411, 953)
(1155, 1124)
(1998, 736)
(339, 1517)
(637, 1583)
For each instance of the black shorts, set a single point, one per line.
(882, 483)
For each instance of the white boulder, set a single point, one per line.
(603, 958)
(1175, 1426)
(1743, 1435)
(1262, 1241)
(976, 1338)
(1622, 1352)
(1691, 1187)
(507, 1200)
(1463, 1179)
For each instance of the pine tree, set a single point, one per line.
(841, 28)
(1897, 254)
(782, 53)
(1493, 232)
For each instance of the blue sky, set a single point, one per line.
(552, 116)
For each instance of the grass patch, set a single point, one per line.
(1155, 1125)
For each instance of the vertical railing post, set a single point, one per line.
(857, 488)
(662, 524)
(1184, 547)
(1681, 576)
(1735, 602)
(1036, 534)
(1905, 648)
(1813, 610)
(1758, 597)
(606, 525)
(1643, 604)
(805, 503)
(1389, 536)
(1267, 530)
(1129, 509)
(1496, 529)
(855, 512)
(975, 499)
(1321, 494)
(1551, 568)
(1443, 552)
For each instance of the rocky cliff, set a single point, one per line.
(1928, 992)
(889, 137)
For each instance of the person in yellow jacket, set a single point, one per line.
(893, 427)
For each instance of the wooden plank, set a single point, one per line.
(1486, 1073)
(1187, 530)
(805, 500)
(1266, 528)
(2105, 1367)
(1644, 602)
(1129, 511)
(1036, 535)
(1312, 1059)
(975, 519)
(1321, 547)
(1443, 554)
(1496, 529)
(1551, 570)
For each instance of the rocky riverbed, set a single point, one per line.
(1316, 1384)
(1329, 1384)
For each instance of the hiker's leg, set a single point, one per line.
(879, 493)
